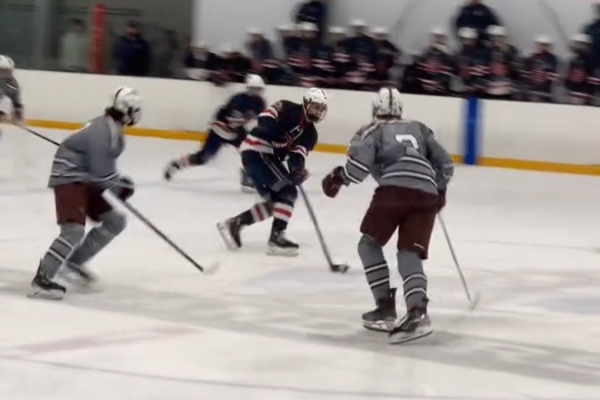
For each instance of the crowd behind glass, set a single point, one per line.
(359, 57)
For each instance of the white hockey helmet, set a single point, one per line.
(255, 84)
(128, 102)
(7, 65)
(581, 38)
(315, 105)
(467, 33)
(387, 103)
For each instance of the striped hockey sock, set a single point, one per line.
(282, 213)
(378, 278)
(414, 279)
(257, 213)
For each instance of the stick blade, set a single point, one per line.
(212, 268)
(475, 301)
(340, 268)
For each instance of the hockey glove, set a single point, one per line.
(298, 176)
(441, 200)
(333, 182)
(125, 188)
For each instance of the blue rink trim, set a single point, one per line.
(471, 128)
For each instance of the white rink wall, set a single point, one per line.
(549, 137)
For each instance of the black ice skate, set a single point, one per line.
(279, 245)
(412, 326)
(44, 288)
(246, 183)
(171, 169)
(230, 232)
(383, 317)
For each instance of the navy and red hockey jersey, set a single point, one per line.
(283, 131)
(240, 109)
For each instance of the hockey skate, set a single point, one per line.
(44, 288)
(412, 326)
(79, 275)
(171, 169)
(279, 245)
(230, 233)
(246, 183)
(382, 318)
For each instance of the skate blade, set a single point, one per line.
(227, 239)
(38, 293)
(248, 189)
(75, 279)
(403, 337)
(379, 326)
(278, 252)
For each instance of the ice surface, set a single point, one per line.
(272, 328)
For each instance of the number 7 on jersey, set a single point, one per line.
(408, 140)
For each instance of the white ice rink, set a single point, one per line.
(281, 329)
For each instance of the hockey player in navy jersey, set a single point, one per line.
(285, 133)
(228, 127)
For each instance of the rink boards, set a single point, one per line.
(544, 137)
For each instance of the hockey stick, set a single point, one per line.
(341, 268)
(210, 270)
(473, 301)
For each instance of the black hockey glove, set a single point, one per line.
(125, 188)
(441, 200)
(298, 176)
(332, 183)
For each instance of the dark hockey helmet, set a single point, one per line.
(314, 103)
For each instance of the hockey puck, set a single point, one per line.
(340, 268)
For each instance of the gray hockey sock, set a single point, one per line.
(376, 268)
(70, 236)
(112, 224)
(410, 267)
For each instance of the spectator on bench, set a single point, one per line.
(200, 62)
(539, 73)
(504, 66)
(580, 71)
(436, 66)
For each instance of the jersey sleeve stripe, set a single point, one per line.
(223, 130)
(253, 143)
(107, 178)
(350, 176)
(64, 162)
(357, 164)
(300, 150)
(270, 112)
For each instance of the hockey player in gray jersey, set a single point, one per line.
(84, 166)
(413, 171)
(10, 91)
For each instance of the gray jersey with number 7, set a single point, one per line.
(399, 153)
